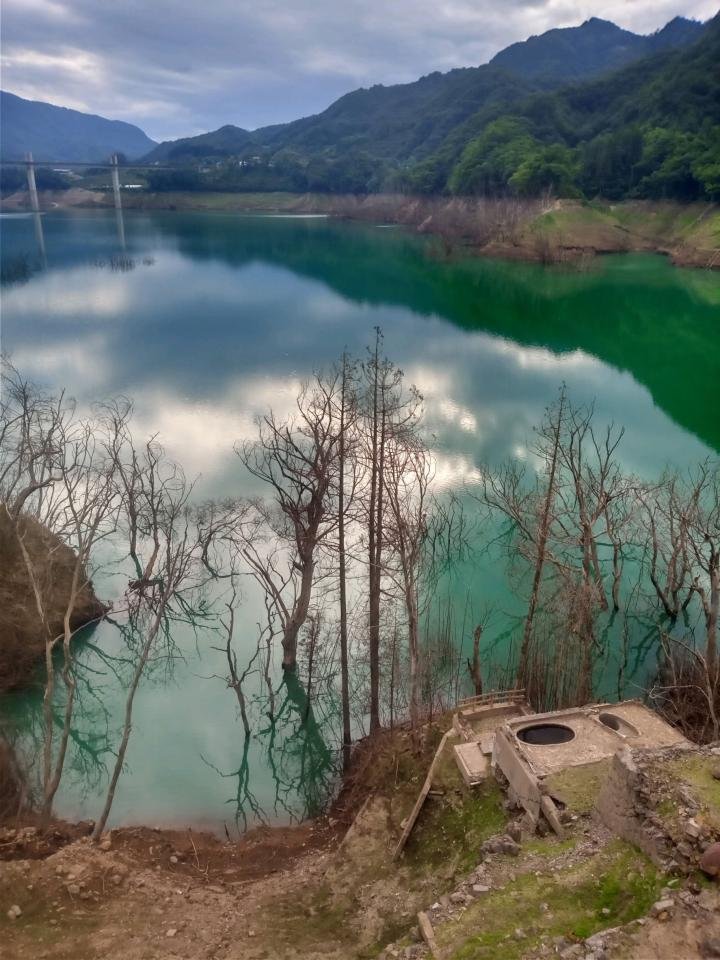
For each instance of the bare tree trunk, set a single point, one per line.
(474, 668)
(298, 617)
(374, 549)
(127, 726)
(541, 546)
(344, 678)
(411, 604)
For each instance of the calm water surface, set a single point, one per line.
(212, 318)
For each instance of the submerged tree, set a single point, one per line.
(389, 412)
(297, 458)
(558, 520)
(167, 546)
(58, 501)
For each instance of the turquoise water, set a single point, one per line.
(205, 320)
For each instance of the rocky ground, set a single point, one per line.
(490, 888)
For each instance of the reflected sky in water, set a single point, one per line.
(205, 320)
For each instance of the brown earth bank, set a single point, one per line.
(489, 888)
(546, 231)
(22, 631)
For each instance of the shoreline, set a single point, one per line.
(541, 231)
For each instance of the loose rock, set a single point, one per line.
(662, 908)
(710, 860)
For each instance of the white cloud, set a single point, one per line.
(177, 67)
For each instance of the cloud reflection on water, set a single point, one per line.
(233, 314)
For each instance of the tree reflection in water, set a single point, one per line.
(295, 745)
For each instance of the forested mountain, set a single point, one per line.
(651, 129)
(226, 141)
(407, 122)
(585, 111)
(597, 46)
(56, 133)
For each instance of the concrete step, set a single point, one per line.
(472, 763)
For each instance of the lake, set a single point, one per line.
(206, 320)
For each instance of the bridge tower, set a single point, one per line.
(118, 200)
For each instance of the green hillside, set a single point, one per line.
(509, 126)
(649, 130)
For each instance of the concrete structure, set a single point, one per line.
(32, 186)
(472, 762)
(570, 738)
(529, 747)
(118, 201)
(35, 206)
(500, 730)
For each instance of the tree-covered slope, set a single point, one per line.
(651, 129)
(225, 142)
(396, 125)
(597, 46)
(56, 133)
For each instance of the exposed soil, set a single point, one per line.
(544, 231)
(21, 628)
(321, 891)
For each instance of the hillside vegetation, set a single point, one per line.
(545, 115)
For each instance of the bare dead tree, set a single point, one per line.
(157, 520)
(474, 665)
(88, 516)
(530, 507)
(558, 519)
(348, 413)
(553, 432)
(236, 678)
(389, 410)
(407, 479)
(298, 459)
(686, 691)
(668, 515)
(59, 500)
(683, 532)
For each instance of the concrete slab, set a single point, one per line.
(472, 763)
(595, 733)
(486, 743)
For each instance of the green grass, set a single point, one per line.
(453, 827)
(697, 773)
(549, 846)
(579, 786)
(619, 880)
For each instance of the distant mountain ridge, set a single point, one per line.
(584, 111)
(58, 133)
(596, 46)
(409, 121)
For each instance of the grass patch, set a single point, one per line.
(452, 828)
(612, 888)
(579, 787)
(697, 773)
(667, 808)
(550, 845)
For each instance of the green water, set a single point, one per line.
(211, 318)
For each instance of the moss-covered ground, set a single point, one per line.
(696, 772)
(613, 887)
(578, 787)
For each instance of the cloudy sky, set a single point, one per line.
(180, 67)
